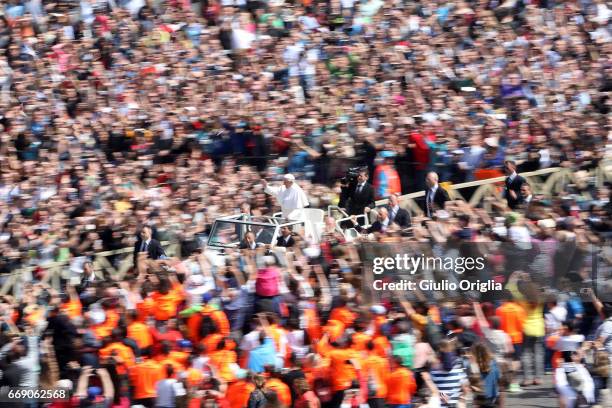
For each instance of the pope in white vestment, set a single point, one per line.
(290, 196)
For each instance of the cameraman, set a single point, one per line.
(361, 196)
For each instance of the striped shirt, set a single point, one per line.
(449, 383)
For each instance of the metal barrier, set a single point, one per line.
(341, 216)
(547, 182)
(56, 271)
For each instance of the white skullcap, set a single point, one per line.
(289, 177)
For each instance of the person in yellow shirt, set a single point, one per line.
(530, 297)
(532, 359)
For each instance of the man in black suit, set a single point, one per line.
(514, 182)
(147, 244)
(362, 196)
(398, 215)
(435, 196)
(285, 239)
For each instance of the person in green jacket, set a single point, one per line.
(402, 344)
(343, 66)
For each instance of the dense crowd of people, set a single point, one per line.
(130, 123)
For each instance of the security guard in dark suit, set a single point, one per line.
(362, 196)
(513, 184)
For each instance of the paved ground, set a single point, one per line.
(542, 396)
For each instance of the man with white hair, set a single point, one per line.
(435, 196)
(380, 225)
(290, 196)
